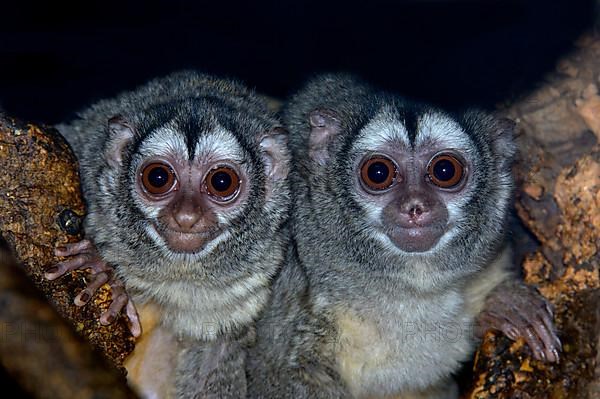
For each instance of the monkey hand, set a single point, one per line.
(520, 311)
(84, 255)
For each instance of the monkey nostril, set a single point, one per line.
(186, 220)
(415, 212)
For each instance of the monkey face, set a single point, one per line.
(413, 178)
(412, 185)
(190, 194)
(413, 191)
(190, 181)
(193, 198)
(417, 184)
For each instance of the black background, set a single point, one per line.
(57, 57)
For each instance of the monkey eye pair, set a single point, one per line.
(160, 178)
(444, 170)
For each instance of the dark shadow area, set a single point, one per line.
(10, 388)
(56, 57)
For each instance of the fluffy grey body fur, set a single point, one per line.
(351, 315)
(207, 300)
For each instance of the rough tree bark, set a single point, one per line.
(40, 208)
(558, 200)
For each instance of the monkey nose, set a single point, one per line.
(414, 207)
(415, 211)
(186, 219)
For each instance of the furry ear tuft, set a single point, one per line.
(275, 153)
(504, 139)
(121, 133)
(324, 126)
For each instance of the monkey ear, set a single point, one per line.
(504, 142)
(275, 153)
(120, 133)
(324, 126)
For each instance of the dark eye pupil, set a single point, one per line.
(444, 170)
(221, 181)
(158, 177)
(378, 172)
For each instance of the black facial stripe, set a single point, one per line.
(411, 120)
(191, 124)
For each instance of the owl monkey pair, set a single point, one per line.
(313, 271)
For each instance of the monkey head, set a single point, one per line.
(411, 184)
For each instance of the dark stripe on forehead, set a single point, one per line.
(192, 124)
(411, 121)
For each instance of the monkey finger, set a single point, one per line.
(119, 302)
(510, 331)
(535, 344)
(518, 325)
(134, 319)
(548, 338)
(81, 261)
(549, 309)
(74, 248)
(547, 319)
(97, 281)
(491, 320)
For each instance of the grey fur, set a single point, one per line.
(209, 304)
(339, 268)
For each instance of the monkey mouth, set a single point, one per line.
(417, 238)
(187, 242)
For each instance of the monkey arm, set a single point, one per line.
(498, 300)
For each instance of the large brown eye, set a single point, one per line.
(158, 178)
(378, 173)
(445, 171)
(222, 183)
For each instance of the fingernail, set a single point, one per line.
(61, 249)
(135, 330)
(542, 354)
(84, 297)
(52, 270)
(110, 319)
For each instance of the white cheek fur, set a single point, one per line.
(181, 257)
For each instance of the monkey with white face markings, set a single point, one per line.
(400, 222)
(186, 184)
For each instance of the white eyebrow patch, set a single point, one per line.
(442, 130)
(381, 131)
(165, 141)
(219, 144)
